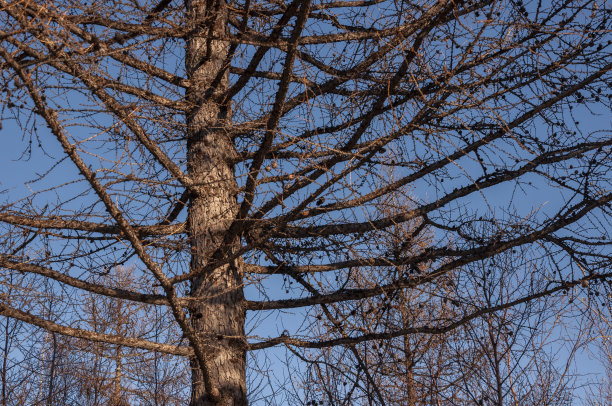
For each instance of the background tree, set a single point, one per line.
(501, 358)
(47, 368)
(227, 149)
(598, 337)
(115, 375)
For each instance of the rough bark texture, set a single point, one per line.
(410, 392)
(219, 316)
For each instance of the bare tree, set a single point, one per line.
(104, 374)
(505, 357)
(46, 368)
(19, 347)
(598, 347)
(226, 149)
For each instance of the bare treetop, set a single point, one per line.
(303, 154)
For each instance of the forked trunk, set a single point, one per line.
(219, 315)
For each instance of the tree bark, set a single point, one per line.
(219, 315)
(410, 383)
(117, 389)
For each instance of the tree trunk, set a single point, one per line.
(409, 365)
(219, 315)
(117, 389)
(51, 388)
